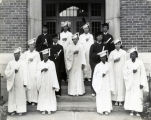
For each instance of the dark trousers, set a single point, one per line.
(59, 92)
(93, 92)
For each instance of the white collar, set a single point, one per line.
(105, 33)
(55, 43)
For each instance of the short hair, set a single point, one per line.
(105, 24)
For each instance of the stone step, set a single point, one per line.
(64, 90)
(85, 98)
(76, 106)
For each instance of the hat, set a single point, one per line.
(98, 33)
(103, 53)
(66, 23)
(17, 50)
(87, 25)
(76, 35)
(31, 41)
(45, 51)
(105, 24)
(117, 40)
(55, 35)
(132, 50)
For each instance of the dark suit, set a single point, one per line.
(108, 41)
(40, 43)
(59, 62)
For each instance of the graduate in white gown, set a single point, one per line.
(118, 58)
(65, 39)
(136, 83)
(102, 83)
(47, 83)
(65, 35)
(32, 58)
(75, 65)
(16, 84)
(86, 40)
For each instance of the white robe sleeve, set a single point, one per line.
(69, 58)
(10, 76)
(143, 78)
(54, 78)
(128, 76)
(83, 59)
(38, 76)
(111, 77)
(97, 78)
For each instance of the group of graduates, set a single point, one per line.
(35, 76)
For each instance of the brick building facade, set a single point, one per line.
(16, 18)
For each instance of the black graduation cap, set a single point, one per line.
(55, 35)
(99, 33)
(105, 24)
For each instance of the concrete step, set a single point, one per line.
(76, 106)
(64, 90)
(85, 98)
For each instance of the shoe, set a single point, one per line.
(33, 104)
(12, 114)
(106, 113)
(131, 114)
(93, 94)
(43, 113)
(120, 104)
(138, 115)
(100, 113)
(49, 112)
(89, 79)
(116, 103)
(20, 114)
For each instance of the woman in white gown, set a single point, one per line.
(118, 58)
(75, 65)
(136, 83)
(103, 85)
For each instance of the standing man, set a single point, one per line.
(86, 40)
(96, 48)
(136, 83)
(16, 84)
(107, 38)
(57, 56)
(32, 59)
(118, 58)
(43, 41)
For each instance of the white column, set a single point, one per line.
(113, 17)
(34, 18)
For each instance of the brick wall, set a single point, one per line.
(136, 24)
(13, 25)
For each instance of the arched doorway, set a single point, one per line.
(75, 11)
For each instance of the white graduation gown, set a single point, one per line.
(15, 86)
(118, 74)
(74, 66)
(32, 93)
(86, 46)
(103, 86)
(134, 95)
(46, 82)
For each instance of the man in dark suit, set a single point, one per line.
(43, 41)
(57, 56)
(107, 38)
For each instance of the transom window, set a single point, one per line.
(54, 13)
